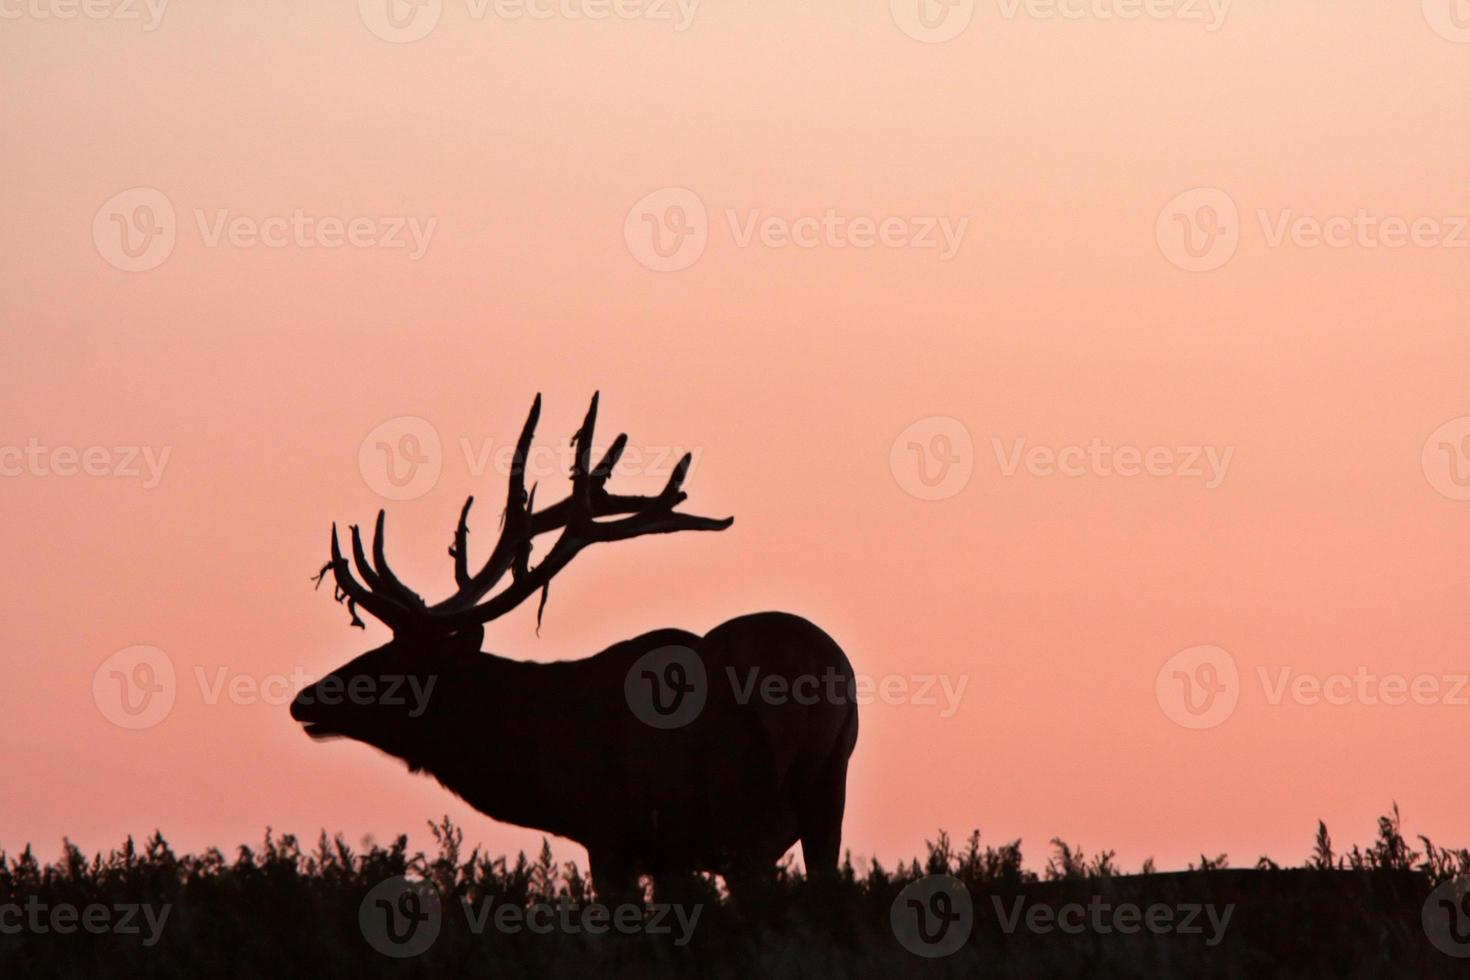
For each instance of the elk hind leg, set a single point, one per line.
(820, 804)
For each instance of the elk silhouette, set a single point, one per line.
(572, 748)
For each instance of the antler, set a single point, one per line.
(383, 595)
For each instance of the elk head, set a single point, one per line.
(381, 697)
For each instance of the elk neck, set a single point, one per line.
(498, 734)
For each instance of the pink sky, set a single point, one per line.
(1063, 316)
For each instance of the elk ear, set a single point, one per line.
(466, 641)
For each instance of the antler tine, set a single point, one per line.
(349, 590)
(520, 564)
(666, 523)
(675, 486)
(516, 491)
(387, 581)
(567, 548)
(383, 595)
(581, 465)
(459, 550)
(364, 567)
(514, 546)
(604, 467)
(515, 535)
(589, 499)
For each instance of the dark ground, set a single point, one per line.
(283, 912)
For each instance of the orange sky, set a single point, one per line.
(1062, 311)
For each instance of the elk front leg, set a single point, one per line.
(614, 878)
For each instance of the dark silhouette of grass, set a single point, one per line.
(285, 911)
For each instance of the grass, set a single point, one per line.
(283, 910)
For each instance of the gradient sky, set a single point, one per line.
(1328, 547)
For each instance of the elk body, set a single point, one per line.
(665, 753)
